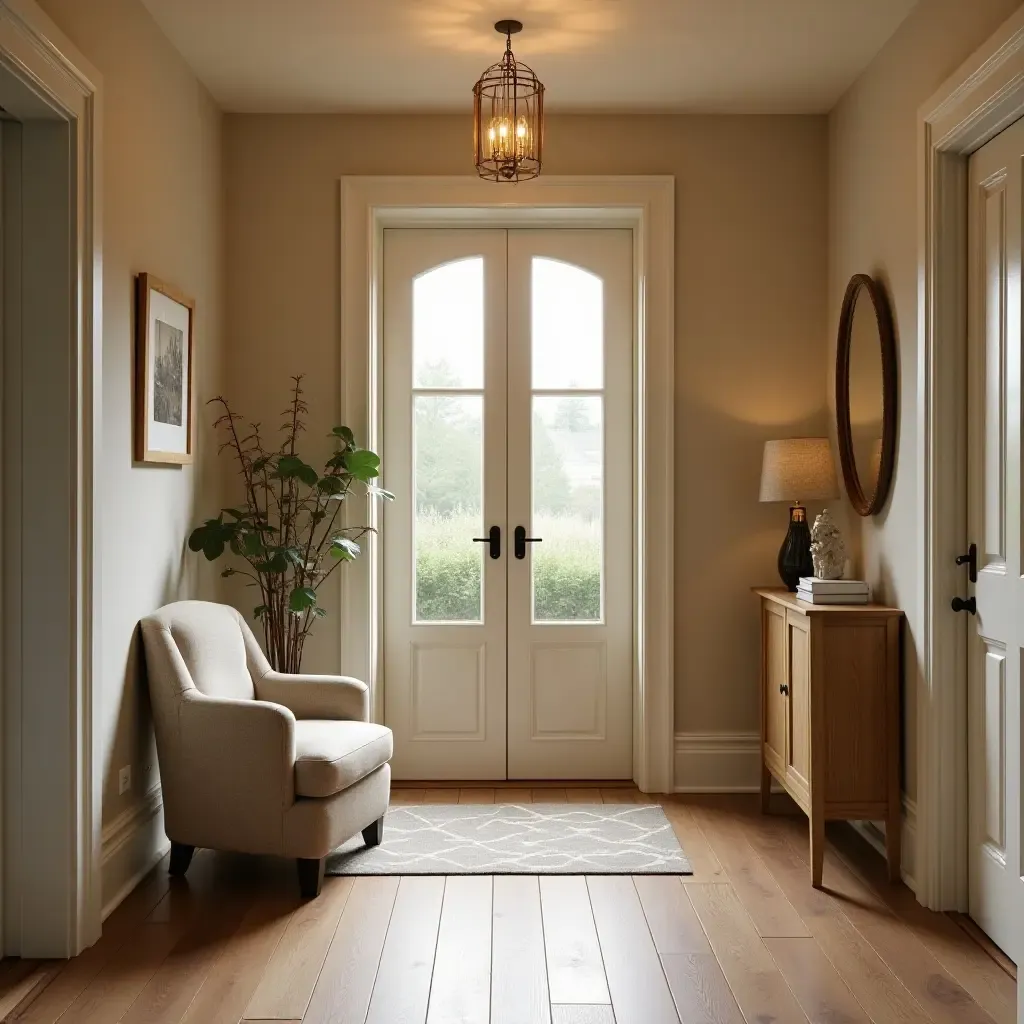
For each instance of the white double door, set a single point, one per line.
(995, 712)
(508, 577)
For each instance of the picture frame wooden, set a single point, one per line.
(164, 373)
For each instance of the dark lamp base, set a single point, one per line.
(795, 554)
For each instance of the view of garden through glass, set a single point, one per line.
(567, 442)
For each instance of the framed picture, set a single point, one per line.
(164, 414)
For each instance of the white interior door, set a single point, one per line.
(444, 457)
(570, 472)
(994, 514)
(507, 407)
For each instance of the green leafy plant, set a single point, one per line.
(287, 530)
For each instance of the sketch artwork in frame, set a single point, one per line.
(163, 373)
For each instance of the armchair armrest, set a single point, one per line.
(337, 697)
(232, 778)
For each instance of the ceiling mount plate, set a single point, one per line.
(508, 26)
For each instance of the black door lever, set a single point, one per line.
(521, 540)
(492, 540)
(971, 561)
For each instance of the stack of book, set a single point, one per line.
(816, 591)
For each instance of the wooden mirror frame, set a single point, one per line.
(865, 505)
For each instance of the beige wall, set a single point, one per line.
(162, 213)
(873, 229)
(750, 312)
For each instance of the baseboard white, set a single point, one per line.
(730, 762)
(132, 843)
(874, 833)
(717, 762)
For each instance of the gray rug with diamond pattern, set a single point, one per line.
(512, 839)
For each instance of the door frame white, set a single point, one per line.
(984, 96)
(53, 766)
(645, 205)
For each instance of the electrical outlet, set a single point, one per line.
(124, 780)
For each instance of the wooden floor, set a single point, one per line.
(745, 938)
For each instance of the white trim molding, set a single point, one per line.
(132, 844)
(52, 781)
(718, 762)
(730, 762)
(646, 206)
(977, 102)
(874, 833)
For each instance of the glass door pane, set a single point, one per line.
(448, 468)
(568, 475)
(567, 433)
(448, 441)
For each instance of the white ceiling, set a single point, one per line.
(748, 56)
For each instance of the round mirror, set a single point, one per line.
(866, 394)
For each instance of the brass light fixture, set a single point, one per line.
(508, 116)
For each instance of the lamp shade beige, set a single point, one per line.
(797, 469)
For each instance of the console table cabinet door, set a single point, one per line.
(856, 715)
(776, 677)
(798, 761)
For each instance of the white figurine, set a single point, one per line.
(828, 552)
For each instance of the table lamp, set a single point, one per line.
(792, 470)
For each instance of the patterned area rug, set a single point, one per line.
(509, 839)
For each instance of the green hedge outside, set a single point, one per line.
(568, 585)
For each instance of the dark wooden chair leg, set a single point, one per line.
(373, 834)
(181, 857)
(311, 877)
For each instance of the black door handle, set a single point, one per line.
(493, 540)
(521, 540)
(784, 689)
(964, 604)
(971, 561)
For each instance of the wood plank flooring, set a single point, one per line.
(744, 940)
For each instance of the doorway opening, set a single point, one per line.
(643, 208)
(508, 577)
(970, 665)
(49, 417)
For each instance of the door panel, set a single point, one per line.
(571, 490)
(994, 515)
(508, 405)
(776, 709)
(857, 766)
(798, 765)
(444, 451)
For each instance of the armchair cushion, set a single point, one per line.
(332, 755)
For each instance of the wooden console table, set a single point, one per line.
(830, 714)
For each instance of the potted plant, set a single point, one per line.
(287, 528)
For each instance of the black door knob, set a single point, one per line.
(964, 604)
(783, 689)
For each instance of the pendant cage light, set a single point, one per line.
(508, 116)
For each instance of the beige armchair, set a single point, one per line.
(253, 760)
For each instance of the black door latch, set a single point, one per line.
(492, 540)
(971, 561)
(521, 540)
